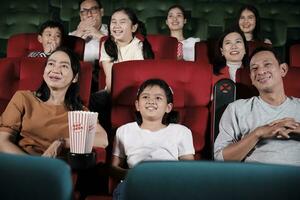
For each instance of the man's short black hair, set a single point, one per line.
(266, 48)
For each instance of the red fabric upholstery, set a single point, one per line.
(292, 82)
(295, 55)
(191, 85)
(163, 46)
(26, 74)
(20, 45)
(201, 52)
(252, 45)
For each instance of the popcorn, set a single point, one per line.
(82, 128)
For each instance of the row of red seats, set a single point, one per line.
(164, 47)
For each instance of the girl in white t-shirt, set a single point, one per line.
(122, 43)
(155, 134)
(176, 20)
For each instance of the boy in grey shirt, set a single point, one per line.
(265, 128)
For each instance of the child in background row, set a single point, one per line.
(155, 134)
(122, 43)
(176, 20)
(50, 36)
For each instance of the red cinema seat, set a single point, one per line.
(201, 52)
(252, 45)
(295, 55)
(27, 73)
(20, 45)
(292, 82)
(163, 46)
(192, 92)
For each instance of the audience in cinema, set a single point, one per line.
(36, 122)
(123, 43)
(248, 21)
(155, 134)
(91, 28)
(264, 128)
(231, 54)
(176, 19)
(51, 34)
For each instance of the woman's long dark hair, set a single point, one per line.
(220, 61)
(256, 32)
(110, 45)
(171, 117)
(72, 98)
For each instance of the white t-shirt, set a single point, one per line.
(189, 48)
(139, 145)
(91, 49)
(132, 51)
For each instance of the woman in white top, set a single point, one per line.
(232, 54)
(176, 20)
(122, 43)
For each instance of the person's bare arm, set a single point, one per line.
(117, 167)
(187, 157)
(100, 137)
(7, 144)
(240, 149)
(107, 68)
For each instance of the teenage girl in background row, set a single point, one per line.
(123, 43)
(176, 20)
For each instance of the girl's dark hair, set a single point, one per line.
(220, 61)
(181, 8)
(72, 98)
(110, 45)
(171, 117)
(256, 32)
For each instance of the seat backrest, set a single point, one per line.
(223, 94)
(201, 52)
(190, 82)
(20, 45)
(163, 46)
(212, 180)
(27, 74)
(294, 54)
(31, 177)
(292, 82)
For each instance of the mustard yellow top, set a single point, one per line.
(37, 123)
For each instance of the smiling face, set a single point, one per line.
(58, 73)
(121, 27)
(247, 21)
(175, 19)
(266, 73)
(152, 104)
(233, 48)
